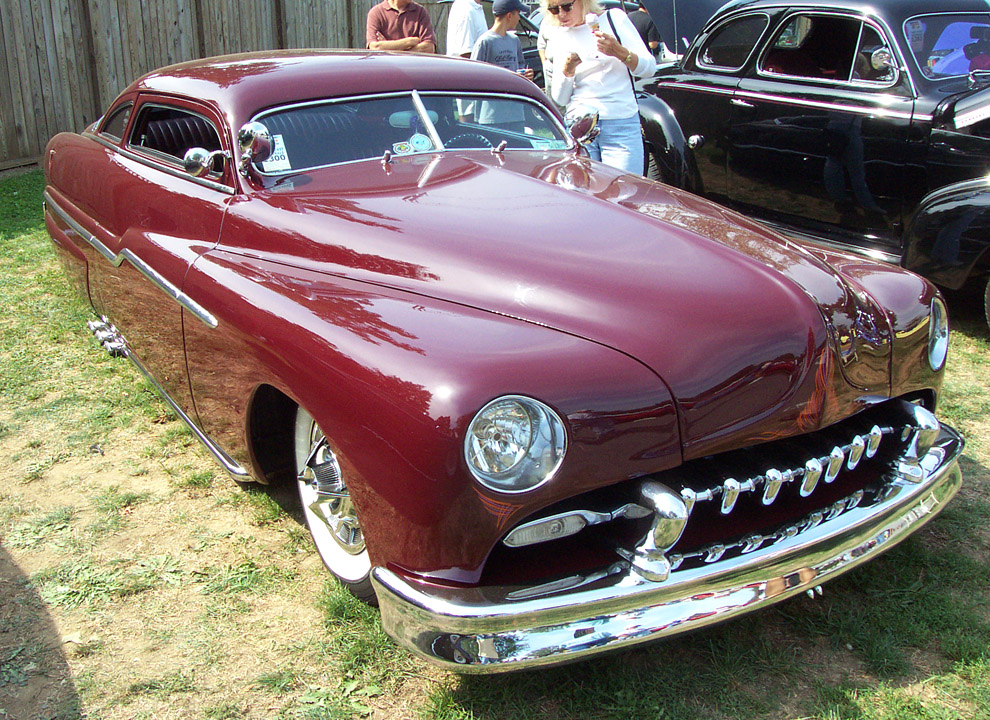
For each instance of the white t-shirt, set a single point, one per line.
(601, 82)
(465, 25)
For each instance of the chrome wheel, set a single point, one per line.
(330, 513)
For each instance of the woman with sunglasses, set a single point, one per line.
(594, 59)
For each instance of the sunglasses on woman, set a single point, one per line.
(555, 9)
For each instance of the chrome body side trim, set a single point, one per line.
(816, 104)
(497, 629)
(116, 259)
(837, 107)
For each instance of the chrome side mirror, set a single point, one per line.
(255, 143)
(582, 123)
(881, 60)
(199, 162)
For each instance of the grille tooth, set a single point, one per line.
(771, 486)
(855, 499)
(812, 471)
(873, 443)
(835, 460)
(856, 449)
(730, 493)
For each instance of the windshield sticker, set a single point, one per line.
(421, 142)
(278, 161)
(915, 31)
(402, 148)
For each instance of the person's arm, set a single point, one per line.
(527, 72)
(562, 84)
(458, 31)
(427, 36)
(409, 43)
(628, 47)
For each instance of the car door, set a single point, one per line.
(157, 220)
(820, 130)
(700, 95)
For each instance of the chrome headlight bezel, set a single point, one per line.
(938, 335)
(515, 444)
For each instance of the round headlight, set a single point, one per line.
(938, 335)
(515, 443)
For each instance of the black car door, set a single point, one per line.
(701, 94)
(819, 136)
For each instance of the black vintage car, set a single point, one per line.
(865, 125)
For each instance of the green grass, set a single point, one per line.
(92, 583)
(245, 577)
(52, 529)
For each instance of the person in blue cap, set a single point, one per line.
(500, 46)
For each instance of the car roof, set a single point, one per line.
(893, 11)
(245, 84)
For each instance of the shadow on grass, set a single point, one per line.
(35, 681)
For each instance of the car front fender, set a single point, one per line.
(673, 161)
(948, 237)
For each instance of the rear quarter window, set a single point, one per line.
(170, 132)
(730, 45)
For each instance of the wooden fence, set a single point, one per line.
(63, 61)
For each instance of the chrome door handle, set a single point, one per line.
(741, 103)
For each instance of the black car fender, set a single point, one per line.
(665, 144)
(948, 237)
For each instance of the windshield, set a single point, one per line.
(332, 132)
(949, 44)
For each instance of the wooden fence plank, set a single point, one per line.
(8, 130)
(63, 61)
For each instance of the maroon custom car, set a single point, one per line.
(535, 408)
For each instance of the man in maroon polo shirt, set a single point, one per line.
(400, 25)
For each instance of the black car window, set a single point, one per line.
(815, 46)
(867, 67)
(334, 132)
(730, 45)
(170, 132)
(949, 44)
(114, 125)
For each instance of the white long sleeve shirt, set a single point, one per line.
(464, 26)
(601, 82)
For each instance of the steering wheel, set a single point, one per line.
(468, 140)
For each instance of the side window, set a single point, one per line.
(865, 67)
(815, 46)
(730, 45)
(115, 124)
(170, 132)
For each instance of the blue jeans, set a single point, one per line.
(619, 144)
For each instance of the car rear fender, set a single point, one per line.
(666, 143)
(948, 238)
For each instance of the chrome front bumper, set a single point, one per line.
(498, 629)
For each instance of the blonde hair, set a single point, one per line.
(590, 6)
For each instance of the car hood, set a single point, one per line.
(742, 326)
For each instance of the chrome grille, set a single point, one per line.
(826, 467)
